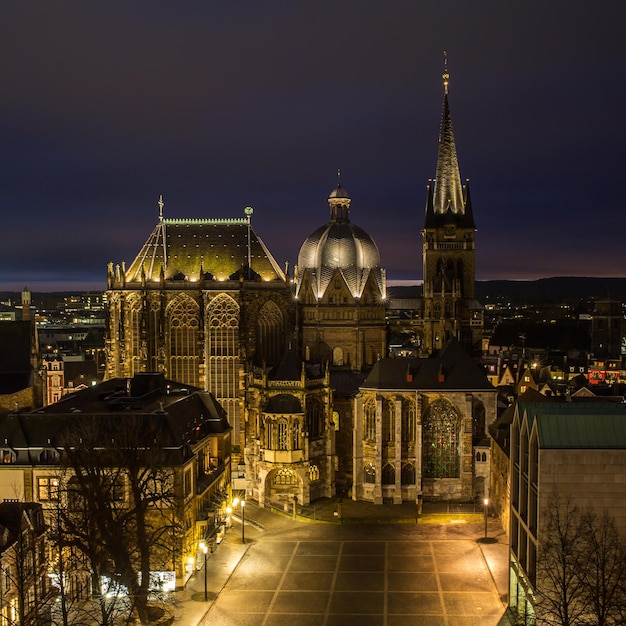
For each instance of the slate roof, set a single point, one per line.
(178, 415)
(450, 369)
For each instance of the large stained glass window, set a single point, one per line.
(441, 436)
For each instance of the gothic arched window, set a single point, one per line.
(314, 472)
(282, 434)
(478, 421)
(441, 440)
(369, 410)
(315, 418)
(134, 315)
(270, 334)
(408, 421)
(184, 325)
(407, 476)
(389, 420)
(285, 476)
(370, 473)
(223, 355)
(338, 356)
(389, 475)
(296, 435)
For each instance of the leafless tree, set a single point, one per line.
(560, 592)
(603, 574)
(122, 508)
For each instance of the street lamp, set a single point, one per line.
(205, 549)
(486, 509)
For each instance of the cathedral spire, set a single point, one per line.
(448, 192)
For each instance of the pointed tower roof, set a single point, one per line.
(448, 192)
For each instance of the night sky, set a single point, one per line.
(220, 105)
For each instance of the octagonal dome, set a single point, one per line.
(340, 245)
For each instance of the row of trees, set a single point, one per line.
(581, 568)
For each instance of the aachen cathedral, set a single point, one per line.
(299, 362)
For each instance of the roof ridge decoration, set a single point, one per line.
(448, 191)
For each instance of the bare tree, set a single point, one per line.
(123, 511)
(559, 588)
(603, 574)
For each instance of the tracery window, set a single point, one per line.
(338, 356)
(314, 473)
(270, 335)
(407, 475)
(408, 421)
(389, 420)
(369, 411)
(285, 476)
(153, 336)
(314, 418)
(478, 421)
(295, 435)
(282, 434)
(184, 323)
(269, 435)
(134, 314)
(389, 475)
(370, 473)
(223, 355)
(442, 440)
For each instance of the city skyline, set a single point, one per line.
(218, 108)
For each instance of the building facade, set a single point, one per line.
(418, 426)
(572, 452)
(182, 432)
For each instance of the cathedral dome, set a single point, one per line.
(340, 245)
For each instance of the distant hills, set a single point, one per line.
(553, 290)
(565, 289)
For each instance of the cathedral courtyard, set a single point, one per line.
(390, 574)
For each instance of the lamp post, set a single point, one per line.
(205, 549)
(486, 509)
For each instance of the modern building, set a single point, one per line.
(573, 452)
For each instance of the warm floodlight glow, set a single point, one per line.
(486, 501)
(236, 502)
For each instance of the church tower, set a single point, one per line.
(450, 306)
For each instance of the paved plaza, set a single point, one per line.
(386, 574)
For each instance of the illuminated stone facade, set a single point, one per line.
(450, 308)
(201, 300)
(341, 291)
(417, 426)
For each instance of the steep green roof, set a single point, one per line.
(578, 425)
